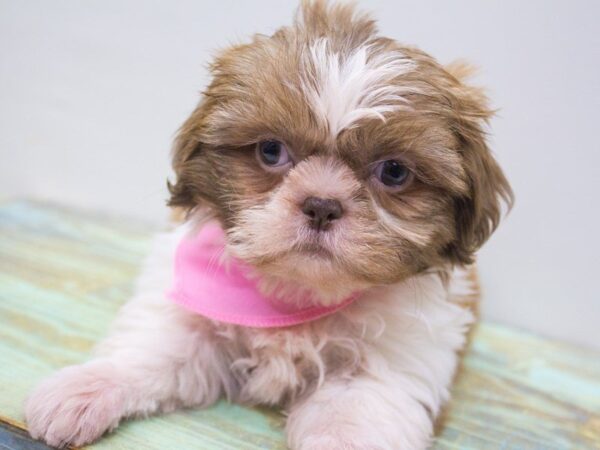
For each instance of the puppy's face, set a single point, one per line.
(338, 159)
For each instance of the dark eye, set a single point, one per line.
(392, 173)
(272, 153)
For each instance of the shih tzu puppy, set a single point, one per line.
(337, 186)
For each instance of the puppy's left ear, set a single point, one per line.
(478, 212)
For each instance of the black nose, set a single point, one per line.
(321, 211)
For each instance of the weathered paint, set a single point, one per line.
(63, 275)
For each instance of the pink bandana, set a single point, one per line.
(225, 292)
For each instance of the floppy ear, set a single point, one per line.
(478, 212)
(186, 151)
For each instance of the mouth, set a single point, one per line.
(314, 247)
(315, 250)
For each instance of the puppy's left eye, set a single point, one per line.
(393, 174)
(273, 153)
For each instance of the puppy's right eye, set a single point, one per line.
(273, 154)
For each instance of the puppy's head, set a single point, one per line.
(337, 159)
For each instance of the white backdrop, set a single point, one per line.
(92, 92)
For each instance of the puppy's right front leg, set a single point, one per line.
(159, 357)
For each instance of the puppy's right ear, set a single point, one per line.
(186, 154)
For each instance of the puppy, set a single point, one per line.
(337, 186)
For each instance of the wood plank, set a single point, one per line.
(518, 391)
(63, 274)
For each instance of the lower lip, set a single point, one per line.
(316, 250)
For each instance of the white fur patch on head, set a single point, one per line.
(342, 90)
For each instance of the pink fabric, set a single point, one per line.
(225, 292)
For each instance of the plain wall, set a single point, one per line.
(92, 93)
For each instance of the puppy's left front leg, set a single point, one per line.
(362, 413)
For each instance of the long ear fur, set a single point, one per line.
(187, 146)
(479, 212)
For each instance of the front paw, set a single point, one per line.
(332, 441)
(336, 435)
(76, 405)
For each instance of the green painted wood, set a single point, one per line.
(63, 274)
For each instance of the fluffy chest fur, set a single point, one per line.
(407, 331)
(386, 333)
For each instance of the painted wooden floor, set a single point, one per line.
(64, 274)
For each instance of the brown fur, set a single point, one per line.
(449, 211)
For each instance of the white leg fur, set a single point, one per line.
(372, 376)
(362, 413)
(156, 358)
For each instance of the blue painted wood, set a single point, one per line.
(12, 438)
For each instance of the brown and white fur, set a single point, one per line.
(376, 374)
